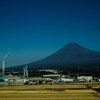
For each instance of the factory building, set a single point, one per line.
(85, 78)
(52, 76)
(3, 81)
(49, 70)
(34, 80)
(65, 80)
(16, 81)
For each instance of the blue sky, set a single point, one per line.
(34, 29)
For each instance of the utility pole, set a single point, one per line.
(25, 72)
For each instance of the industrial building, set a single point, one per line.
(35, 80)
(85, 78)
(3, 81)
(49, 70)
(65, 80)
(52, 76)
(16, 81)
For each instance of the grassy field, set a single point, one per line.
(68, 91)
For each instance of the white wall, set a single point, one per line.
(67, 80)
(87, 78)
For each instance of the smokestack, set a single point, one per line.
(3, 68)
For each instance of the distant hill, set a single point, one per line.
(71, 54)
(71, 57)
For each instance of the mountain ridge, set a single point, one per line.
(72, 53)
(72, 57)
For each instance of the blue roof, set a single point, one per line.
(2, 78)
